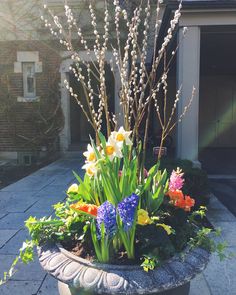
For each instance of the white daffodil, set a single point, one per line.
(90, 154)
(122, 136)
(113, 149)
(91, 168)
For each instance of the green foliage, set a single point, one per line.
(154, 241)
(149, 263)
(202, 239)
(26, 255)
(102, 246)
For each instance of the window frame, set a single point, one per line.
(26, 93)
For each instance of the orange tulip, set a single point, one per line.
(86, 208)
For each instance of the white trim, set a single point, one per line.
(17, 67)
(28, 99)
(27, 56)
(188, 72)
(65, 135)
(8, 155)
(208, 18)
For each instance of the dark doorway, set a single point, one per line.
(217, 101)
(81, 129)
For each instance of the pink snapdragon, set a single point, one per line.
(176, 180)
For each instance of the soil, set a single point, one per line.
(11, 172)
(84, 251)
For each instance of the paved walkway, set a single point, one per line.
(225, 191)
(35, 194)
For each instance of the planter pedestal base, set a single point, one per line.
(64, 289)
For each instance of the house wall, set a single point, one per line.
(20, 127)
(21, 30)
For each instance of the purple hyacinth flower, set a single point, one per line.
(127, 209)
(106, 215)
(176, 180)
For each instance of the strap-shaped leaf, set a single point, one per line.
(160, 191)
(85, 191)
(151, 173)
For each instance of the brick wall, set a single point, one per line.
(20, 122)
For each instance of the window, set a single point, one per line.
(29, 81)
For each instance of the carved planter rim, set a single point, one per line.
(121, 279)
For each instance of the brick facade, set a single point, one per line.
(23, 123)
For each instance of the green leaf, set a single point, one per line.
(83, 190)
(151, 173)
(159, 194)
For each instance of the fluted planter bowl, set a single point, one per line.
(79, 276)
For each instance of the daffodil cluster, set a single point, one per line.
(112, 149)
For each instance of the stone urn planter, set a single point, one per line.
(79, 276)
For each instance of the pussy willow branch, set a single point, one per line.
(135, 79)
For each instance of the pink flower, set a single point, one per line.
(176, 180)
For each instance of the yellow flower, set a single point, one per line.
(143, 218)
(121, 135)
(166, 227)
(90, 154)
(73, 188)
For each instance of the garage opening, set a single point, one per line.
(217, 102)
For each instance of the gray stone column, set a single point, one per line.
(188, 72)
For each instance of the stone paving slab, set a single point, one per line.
(20, 288)
(219, 215)
(6, 235)
(31, 272)
(53, 191)
(15, 220)
(16, 202)
(220, 275)
(49, 287)
(2, 214)
(228, 232)
(67, 178)
(15, 243)
(199, 286)
(29, 184)
(45, 172)
(67, 164)
(44, 205)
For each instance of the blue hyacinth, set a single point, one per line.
(126, 210)
(106, 215)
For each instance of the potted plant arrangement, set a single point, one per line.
(122, 229)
